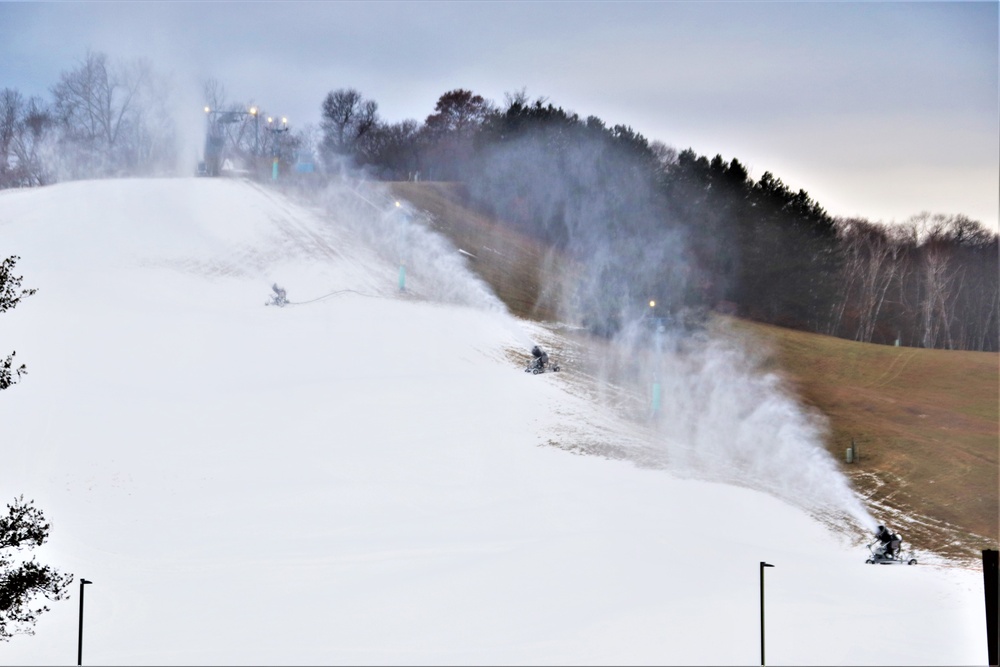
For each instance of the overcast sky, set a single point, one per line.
(881, 110)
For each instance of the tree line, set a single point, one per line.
(647, 221)
(105, 118)
(694, 232)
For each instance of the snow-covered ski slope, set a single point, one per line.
(367, 478)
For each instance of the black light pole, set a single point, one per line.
(79, 646)
(990, 558)
(762, 566)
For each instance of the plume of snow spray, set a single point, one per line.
(427, 265)
(717, 414)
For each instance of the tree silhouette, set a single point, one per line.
(22, 581)
(347, 118)
(24, 526)
(10, 295)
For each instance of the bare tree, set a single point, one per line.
(10, 111)
(347, 117)
(986, 334)
(149, 135)
(974, 304)
(850, 269)
(24, 130)
(518, 98)
(879, 254)
(391, 150)
(91, 105)
(982, 297)
(932, 281)
(33, 141)
(666, 156)
(939, 280)
(113, 117)
(215, 95)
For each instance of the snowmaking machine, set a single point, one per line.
(540, 363)
(886, 549)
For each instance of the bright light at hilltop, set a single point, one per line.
(652, 304)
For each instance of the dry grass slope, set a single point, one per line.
(926, 422)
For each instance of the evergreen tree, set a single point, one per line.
(10, 295)
(22, 581)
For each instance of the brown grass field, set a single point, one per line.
(925, 423)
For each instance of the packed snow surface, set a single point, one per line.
(366, 476)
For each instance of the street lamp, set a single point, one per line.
(659, 359)
(402, 264)
(762, 566)
(275, 131)
(79, 646)
(256, 130)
